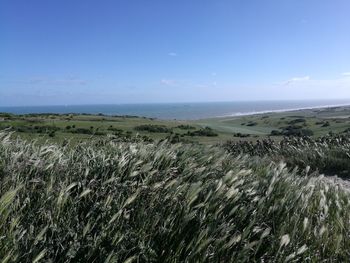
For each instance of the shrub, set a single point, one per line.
(186, 127)
(82, 131)
(241, 135)
(275, 133)
(153, 128)
(252, 123)
(295, 130)
(298, 120)
(87, 131)
(115, 130)
(36, 129)
(207, 131)
(6, 115)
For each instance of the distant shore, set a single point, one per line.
(282, 110)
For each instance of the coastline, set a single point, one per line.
(242, 114)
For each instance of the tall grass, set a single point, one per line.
(329, 154)
(106, 201)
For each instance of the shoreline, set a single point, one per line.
(252, 113)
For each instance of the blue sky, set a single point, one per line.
(84, 51)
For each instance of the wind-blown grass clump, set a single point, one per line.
(329, 154)
(109, 201)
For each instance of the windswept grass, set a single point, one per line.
(106, 201)
(328, 154)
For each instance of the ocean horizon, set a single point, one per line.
(180, 110)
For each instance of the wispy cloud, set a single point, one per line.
(346, 74)
(172, 54)
(296, 79)
(46, 81)
(70, 80)
(168, 82)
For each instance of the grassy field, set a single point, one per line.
(319, 121)
(58, 128)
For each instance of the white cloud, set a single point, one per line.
(168, 82)
(296, 79)
(172, 54)
(346, 74)
(70, 80)
(300, 79)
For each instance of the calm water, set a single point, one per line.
(181, 111)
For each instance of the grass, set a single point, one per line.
(110, 201)
(328, 155)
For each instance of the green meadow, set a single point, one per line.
(81, 127)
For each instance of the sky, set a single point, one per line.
(67, 52)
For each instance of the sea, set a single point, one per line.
(182, 111)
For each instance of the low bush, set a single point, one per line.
(207, 131)
(86, 131)
(252, 123)
(297, 121)
(153, 128)
(241, 135)
(294, 130)
(186, 127)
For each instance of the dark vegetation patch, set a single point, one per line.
(45, 115)
(340, 121)
(296, 116)
(292, 130)
(35, 129)
(207, 131)
(347, 130)
(251, 123)
(153, 128)
(241, 135)
(86, 131)
(6, 115)
(111, 128)
(323, 123)
(185, 127)
(297, 121)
